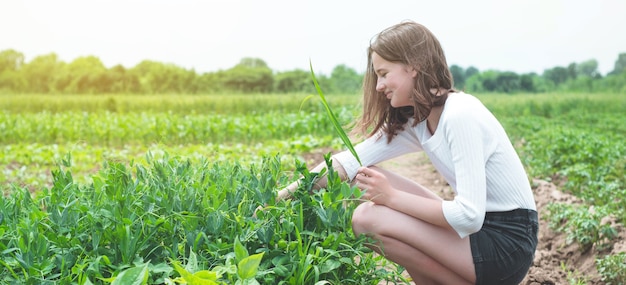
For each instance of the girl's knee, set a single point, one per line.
(361, 220)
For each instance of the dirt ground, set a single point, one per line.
(556, 261)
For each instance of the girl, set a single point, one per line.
(488, 233)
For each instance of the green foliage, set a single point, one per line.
(223, 104)
(106, 128)
(620, 65)
(249, 76)
(345, 80)
(293, 81)
(83, 75)
(153, 211)
(612, 268)
(40, 73)
(132, 276)
(589, 163)
(333, 118)
(125, 226)
(582, 225)
(86, 75)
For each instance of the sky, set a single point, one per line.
(506, 35)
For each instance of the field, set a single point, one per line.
(111, 188)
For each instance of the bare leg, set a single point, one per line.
(431, 254)
(421, 267)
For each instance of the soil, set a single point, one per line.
(556, 261)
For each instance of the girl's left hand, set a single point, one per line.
(375, 185)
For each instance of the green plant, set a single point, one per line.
(582, 226)
(342, 134)
(134, 226)
(573, 277)
(612, 268)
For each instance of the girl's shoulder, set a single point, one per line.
(461, 102)
(462, 98)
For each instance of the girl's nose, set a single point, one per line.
(380, 86)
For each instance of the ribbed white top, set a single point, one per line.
(473, 153)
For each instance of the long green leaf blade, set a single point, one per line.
(342, 134)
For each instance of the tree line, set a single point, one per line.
(88, 75)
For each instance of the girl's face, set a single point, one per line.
(395, 81)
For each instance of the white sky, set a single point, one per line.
(506, 35)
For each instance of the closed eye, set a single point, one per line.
(381, 73)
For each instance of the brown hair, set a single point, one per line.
(414, 45)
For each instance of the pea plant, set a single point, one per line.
(174, 221)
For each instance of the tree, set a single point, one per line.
(615, 82)
(40, 73)
(121, 80)
(507, 82)
(482, 82)
(471, 71)
(496, 81)
(11, 60)
(210, 82)
(252, 62)
(345, 79)
(158, 78)
(459, 76)
(527, 82)
(572, 71)
(296, 80)
(250, 75)
(588, 68)
(83, 75)
(557, 75)
(11, 63)
(620, 64)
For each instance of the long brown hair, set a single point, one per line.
(412, 44)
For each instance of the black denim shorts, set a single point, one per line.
(504, 248)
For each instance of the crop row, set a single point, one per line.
(229, 104)
(203, 215)
(112, 129)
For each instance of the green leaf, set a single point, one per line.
(132, 276)
(240, 251)
(203, 277)
(206, 275)
(192, 262)
(183, 273)
(248, 267)
(329, 265)
(333, 118)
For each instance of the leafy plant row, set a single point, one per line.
(113, 129)
(29, 165)
(175, 221)
(589, 162)
(225, 104)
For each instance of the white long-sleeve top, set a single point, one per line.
(472, 151)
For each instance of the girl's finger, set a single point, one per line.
(365, 171)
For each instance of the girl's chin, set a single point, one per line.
(399, 104)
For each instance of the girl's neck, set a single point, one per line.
(433, 119)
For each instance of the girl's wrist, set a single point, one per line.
(285, 193)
